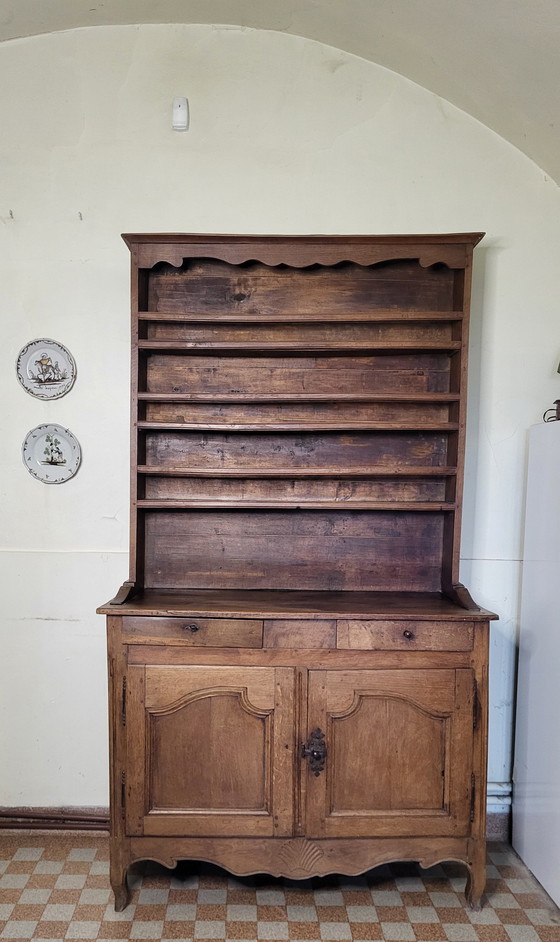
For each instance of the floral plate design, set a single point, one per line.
(51, 454)
(46, 369)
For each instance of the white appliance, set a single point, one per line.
(536, 798)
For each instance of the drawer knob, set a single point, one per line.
(409, 635)
(192, 628)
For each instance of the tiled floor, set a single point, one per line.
(56, 886)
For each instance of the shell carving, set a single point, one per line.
(300, 856)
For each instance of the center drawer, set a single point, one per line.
(214, 632)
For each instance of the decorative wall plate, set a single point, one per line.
(51, 454)
(46, 369)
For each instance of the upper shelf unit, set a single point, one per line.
(298, 402)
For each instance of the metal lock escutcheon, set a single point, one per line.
(315, 751)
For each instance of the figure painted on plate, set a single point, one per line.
(47, 372)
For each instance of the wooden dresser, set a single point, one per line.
(298, 683)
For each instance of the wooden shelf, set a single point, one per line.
(299, 472)
(298, 317)
(346, 505)
(299, 426)
(301, 397)
(340, 348)
(271, 603)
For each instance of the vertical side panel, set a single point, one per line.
(137, 291)
(461, 750)
(136, 732)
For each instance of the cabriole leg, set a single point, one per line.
(476, 879)
(119, 883)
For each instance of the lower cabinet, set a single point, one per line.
(274, 765)
(215, 751)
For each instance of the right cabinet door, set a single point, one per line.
(399, 753)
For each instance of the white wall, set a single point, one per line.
(286, 136)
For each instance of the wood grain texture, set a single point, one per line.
(400, 635)
(217, 632)
(398, 752)
(300, 415)
(213, 757)
(342, 452)
(324, 316)
(294, 491)
(250, 549)
(301, 857)
(332, 334)
(204, 373)
(207, 284)
(289, 633)
(304, 658)
(273, 603)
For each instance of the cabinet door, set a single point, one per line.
(399, 753)
(209, 751)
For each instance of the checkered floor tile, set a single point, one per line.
(56, 886)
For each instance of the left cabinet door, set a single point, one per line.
(210, 751)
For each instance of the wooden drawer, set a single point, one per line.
(292, 633)
(215, 632)
(405, 635)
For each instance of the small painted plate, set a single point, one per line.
(46, 369)
(51, 454)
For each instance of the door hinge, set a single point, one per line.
(476, 704)
(123, 703)
(473, 795)
(123, 794)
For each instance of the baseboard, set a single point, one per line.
(51, 819)
(498, 825)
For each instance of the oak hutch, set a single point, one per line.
(298, 683)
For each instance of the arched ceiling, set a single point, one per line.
(498, 60)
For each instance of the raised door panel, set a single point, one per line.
(210, 751)
(399, 753)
